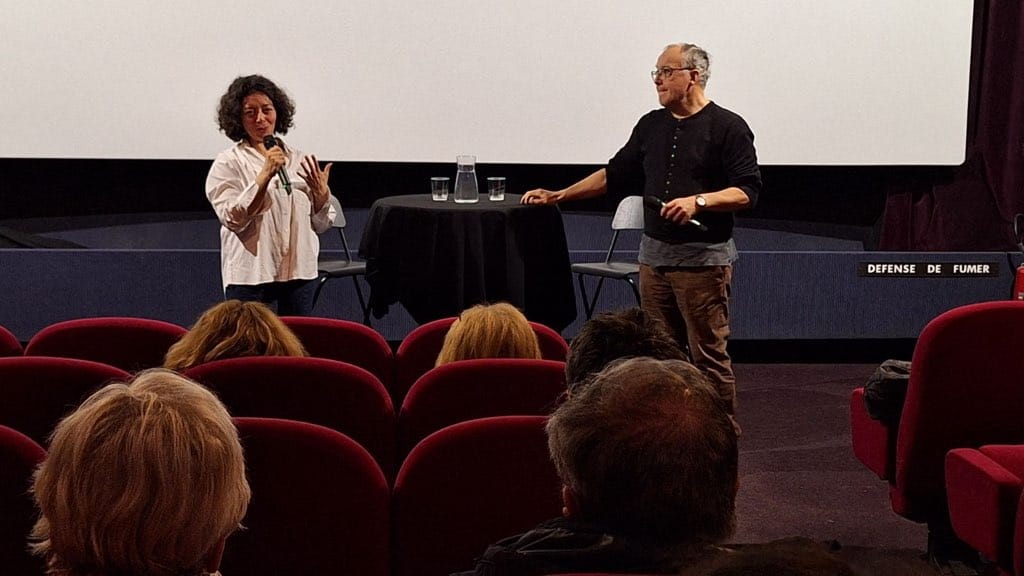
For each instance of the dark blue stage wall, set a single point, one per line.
(788, 285)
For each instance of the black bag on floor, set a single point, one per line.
(886, 390)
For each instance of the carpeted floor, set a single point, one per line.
(798, 474)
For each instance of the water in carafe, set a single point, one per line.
(466, 189)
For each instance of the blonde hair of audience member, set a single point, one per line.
(145, 477)
(489, 331)
(233, 329)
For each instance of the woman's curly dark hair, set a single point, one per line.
(229, 112)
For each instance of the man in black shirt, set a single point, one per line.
(698, 160)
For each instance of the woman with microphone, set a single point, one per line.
(271, 201)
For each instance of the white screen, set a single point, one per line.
(821, 82)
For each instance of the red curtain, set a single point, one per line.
(975, 209)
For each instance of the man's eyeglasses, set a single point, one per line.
(665, 72)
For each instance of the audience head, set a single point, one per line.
(229, 112)
(233, 329)
(647, 450)
(613, 335)
(145, 477)
(489, 331)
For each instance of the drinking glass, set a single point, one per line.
(496, 188)
(439, 188)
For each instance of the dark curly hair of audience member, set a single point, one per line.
(233, 329)
(647, 450)
(229, 112)
(612, 335)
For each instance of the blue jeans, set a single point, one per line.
(293, 298)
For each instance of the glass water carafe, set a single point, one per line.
(466, 189)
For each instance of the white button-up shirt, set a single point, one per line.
(277, 244)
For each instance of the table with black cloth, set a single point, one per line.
(439, 258)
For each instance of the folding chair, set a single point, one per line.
(628, 216)
(342, 268)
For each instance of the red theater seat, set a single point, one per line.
(467, 486)
(330, 393)
(37, 391)
(418, 351)
(319, 504)
(471, 389)
(345, 341)
(19, 456)
(984, 489)
(9, 344)
(963, 393)
(130, 344)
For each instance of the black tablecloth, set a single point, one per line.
(439, 258)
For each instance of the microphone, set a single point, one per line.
(269, 142)
(656, 203)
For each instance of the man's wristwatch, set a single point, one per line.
(701, 201)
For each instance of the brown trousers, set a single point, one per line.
(694, 304)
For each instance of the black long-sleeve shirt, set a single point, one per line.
(669, 158)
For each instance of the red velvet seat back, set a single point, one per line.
(983, 490)
(471, 389)
(330, 393)
(965, 390)
(467, 486)
(552, 345)
(418, 352)
(9, 344)
(37, 391)
(874, 443)
(19, 456)
(131, 344)
(1018, 539)
(319, 504)
(345, 341)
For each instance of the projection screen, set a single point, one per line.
(821, 82)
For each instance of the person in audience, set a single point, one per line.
(489, 331)
(648, 459)
(612, 335)
(232, 329)
(271, 200)
(145, 477)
